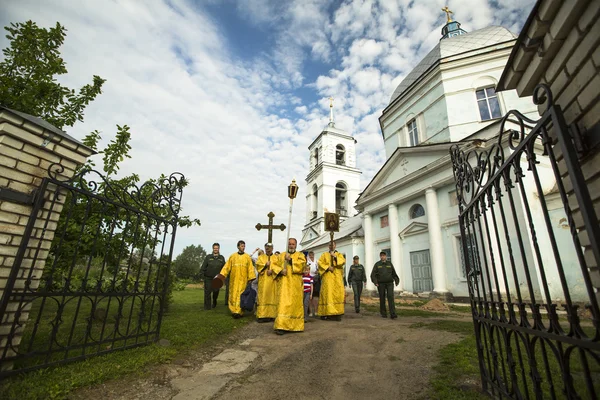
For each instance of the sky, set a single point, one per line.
(231, 93)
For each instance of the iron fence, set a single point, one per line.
(529, 281)
(94, 280)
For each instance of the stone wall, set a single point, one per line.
(28, 146)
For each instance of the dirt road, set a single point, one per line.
(363, 356)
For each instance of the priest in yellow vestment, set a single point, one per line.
(331, 272)
(240, 270)
(266, 302)
(290, 307)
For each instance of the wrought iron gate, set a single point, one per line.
(529, 281)
(107, 266)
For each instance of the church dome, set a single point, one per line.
(453, 46)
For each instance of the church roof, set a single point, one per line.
(454, 46)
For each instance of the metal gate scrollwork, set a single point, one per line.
(528, 274)
(99, 282)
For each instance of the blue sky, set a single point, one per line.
(231, 93)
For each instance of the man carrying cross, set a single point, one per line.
(266, 304)
(266, 309)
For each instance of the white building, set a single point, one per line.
(333, 181)
(409, 209)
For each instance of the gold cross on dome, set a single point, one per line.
(330, 102)
(448, 12)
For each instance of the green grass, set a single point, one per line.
(186, 326)
(457, 372)
(458, 376)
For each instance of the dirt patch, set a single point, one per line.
(354, 358)
(435, 305)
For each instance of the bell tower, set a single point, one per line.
(333, 181)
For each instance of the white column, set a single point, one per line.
(395, 245)
(436, 250)
(368, 261)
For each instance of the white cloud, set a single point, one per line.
(226, 122)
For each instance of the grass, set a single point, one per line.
(458, 376)
(185, 326)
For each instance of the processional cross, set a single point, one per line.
(270, 227)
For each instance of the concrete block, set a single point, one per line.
(8, 162)
(588, 43)
(591, 117)
(14, 175)
(560, 82)
(590, 93)
(19, 155)
(70, 155)
(23, 135)
(8, 217)
(6, 140)
(548, 9)
(31, 169)
(560, 59)
(591, 14)
(7, 250)
(14, 119)
(40, 153)
(15, 208)
(566, 18)
(21, 187)
(35, 129)
(577, 84)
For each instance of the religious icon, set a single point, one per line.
(332, 222)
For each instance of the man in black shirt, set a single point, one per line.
(210, 268)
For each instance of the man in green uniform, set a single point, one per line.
(358, 279)
(210, 268)
(384, 276)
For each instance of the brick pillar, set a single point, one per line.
(28, 146)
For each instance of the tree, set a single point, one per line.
(101, 230)
(187, 264)
(27, 76)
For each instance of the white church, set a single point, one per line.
(409, 209)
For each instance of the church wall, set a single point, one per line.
(409, 164)
(460, 84)
(435, 119)
(426, 105)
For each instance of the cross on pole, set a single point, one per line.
(270, 227)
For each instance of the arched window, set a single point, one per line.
(316, 157)
(487, 102)
(340, 199)
(416, 211)
(315, 201)
(340, 155)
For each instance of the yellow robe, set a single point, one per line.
(240, 270)
(266, 302)
(290, 307)
(331, 298)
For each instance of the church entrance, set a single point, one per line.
(420, 264)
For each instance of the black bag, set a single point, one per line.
(248, 298)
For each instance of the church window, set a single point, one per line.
(487, 101)
(340, 199)
(383, 221)
(340, 155)
(471, 249)
(315, 201)
(316, 156)
(413, 132)
(416, 211)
